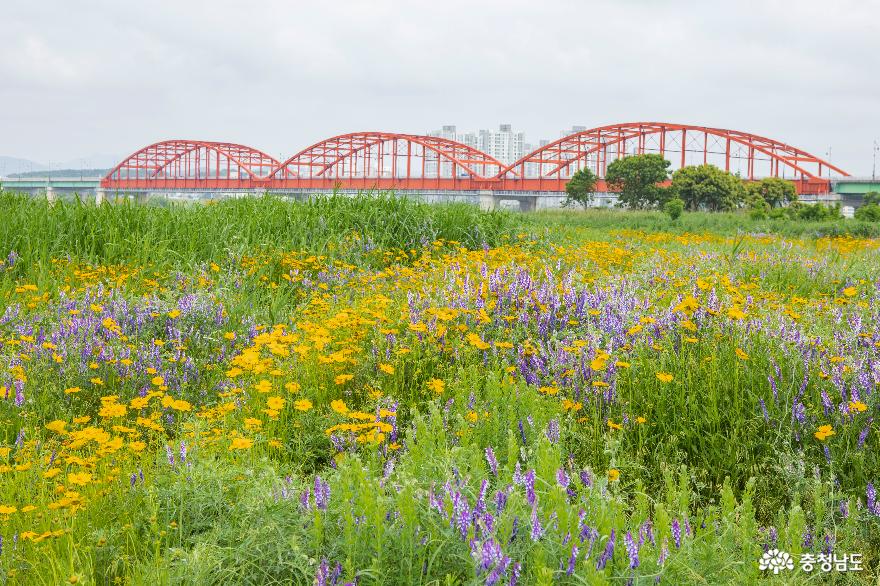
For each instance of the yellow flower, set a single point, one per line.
(850, 291)
(339, 406)
(343, 378)
(51, 472)
(857, 406)
(7, 510)
(436, 385)
(113, 410)
(158, 381)
(241, 443)
(292, 387)
(640, 420)
(664, 377)
(302, 405)
(72, 390)
(96, 381)
(735, 313)
(275, 403)
(229, 335)
(136, 446)
(386, 368)
(264, 386)
(613, 425)
(174, 313)
(687, 305)
(824, 432)
(613, 475)
(472, 416)
(741, 355)
(79, 478)
(477, 342)
(57, 426)
(181, 405)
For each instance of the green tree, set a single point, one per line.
(673, 208)
(580, 188)
(773, 190)
(635, 179)
(707, 186)
(872, 197)
(868, 213)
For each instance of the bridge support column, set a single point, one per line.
(528, 204)
(487, 200)
(50, 195)
(100, 196)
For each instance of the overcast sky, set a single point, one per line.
(79, 78)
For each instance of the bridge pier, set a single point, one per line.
(100, 196)
(50, 195)
(487, 200)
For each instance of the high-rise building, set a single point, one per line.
(504, 144)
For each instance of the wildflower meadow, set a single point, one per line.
(370, 390)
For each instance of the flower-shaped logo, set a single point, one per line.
(776, 560)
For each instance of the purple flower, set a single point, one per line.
(632, 550)
(607, 554)
(552, 432)
(572, 560)
(664, 552)
(676, 533)
(537, 530)
(322, 493)
(490, 459)
(529, 481)
(872, 500)
(562, 478)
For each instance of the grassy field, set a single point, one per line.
(375, 391)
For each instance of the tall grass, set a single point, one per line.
(131, 232)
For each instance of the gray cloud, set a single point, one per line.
(110, 76)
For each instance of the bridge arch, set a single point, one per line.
(190, 163)
(390, 156)
(687, 144)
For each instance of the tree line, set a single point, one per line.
(638, 180)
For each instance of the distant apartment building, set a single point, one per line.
(504, 144)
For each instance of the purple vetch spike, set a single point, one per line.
(664, 552)
(586, 478)
(170, 454)
(562, 478)
(529, 482)
(864, 433)
(807, 541)
(871, 494)
(676, 533)
(492, 461)
(764, 411)
(537, 531)
(607, 554)
(500, 501)
(552, 432)
(572, 560)
(632, 550)
(304, 500)
(322, 576)
(322, 493)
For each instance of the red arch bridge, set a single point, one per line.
(427, 164)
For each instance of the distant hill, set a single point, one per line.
(60, 173)
(10, 165)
